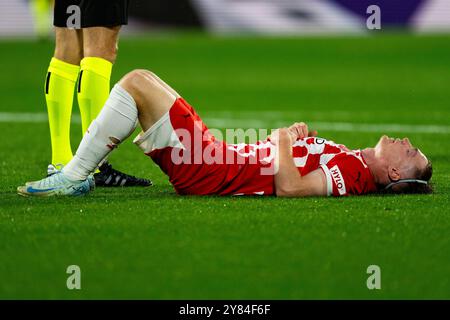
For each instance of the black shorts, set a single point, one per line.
(93, 13)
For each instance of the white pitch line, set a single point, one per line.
(244, 123)
(20, 117)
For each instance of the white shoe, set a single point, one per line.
(57, 184)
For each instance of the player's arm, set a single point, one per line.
(288, 181)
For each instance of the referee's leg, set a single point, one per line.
(101, 42)
(99, 55)
(101, 22)
(68, 45)
(60, 85)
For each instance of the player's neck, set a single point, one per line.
(371, 161)
(368, 155)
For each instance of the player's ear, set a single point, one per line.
(394, 173)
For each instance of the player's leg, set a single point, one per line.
(153, 96)
(158, 79)
(59, 91)
(137, 98)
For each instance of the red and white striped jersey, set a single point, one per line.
(345, 170)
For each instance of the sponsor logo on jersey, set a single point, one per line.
(338, 180)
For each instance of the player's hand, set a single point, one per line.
(282, 133)
(300, 130)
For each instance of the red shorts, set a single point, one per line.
(199, 164)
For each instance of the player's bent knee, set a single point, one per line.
(143, 73)
(147, 73)
(139, 84)
(139, 80)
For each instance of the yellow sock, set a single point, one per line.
(59, 91)
(93, 88)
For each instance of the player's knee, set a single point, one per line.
(144, 73)
(133, 80)
(140, 79)
(138, 83)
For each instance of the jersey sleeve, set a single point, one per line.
(345, 175)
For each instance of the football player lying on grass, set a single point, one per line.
(290, 163)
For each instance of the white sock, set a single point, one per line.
(116, 122)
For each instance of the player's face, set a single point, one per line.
(400, 153)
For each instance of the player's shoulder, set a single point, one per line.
(347, 174)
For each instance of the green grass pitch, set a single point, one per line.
(153, 244)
